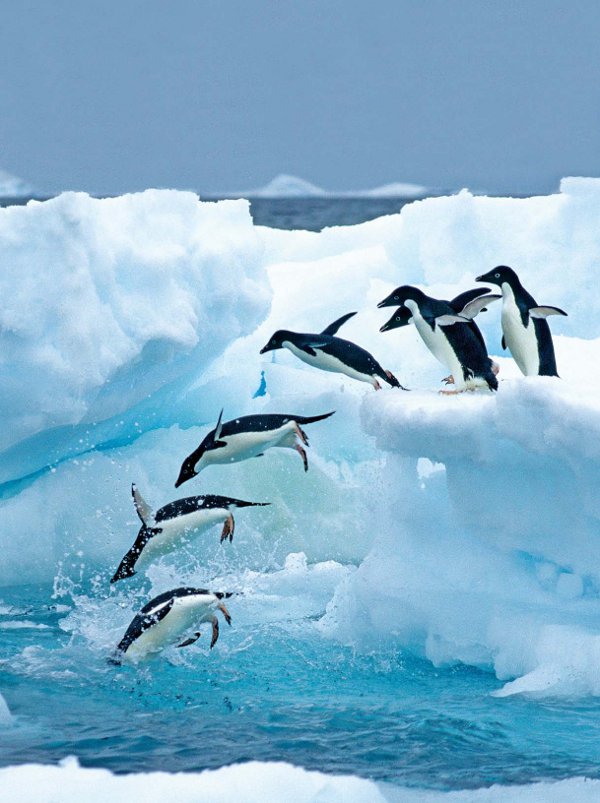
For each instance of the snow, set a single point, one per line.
(128, 323)
(254, 781)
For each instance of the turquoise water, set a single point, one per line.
(272, 691)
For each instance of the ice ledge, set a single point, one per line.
(542, 415)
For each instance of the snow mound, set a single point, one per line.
(256, 781)
(105, 301)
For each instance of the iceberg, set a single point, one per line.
(471, 523)
(286, 186)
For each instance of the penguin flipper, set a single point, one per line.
(477, 305)
(448, 320)
(142, 508)
(462, 299)
(543, 311)
(333, 327)
(503, 342)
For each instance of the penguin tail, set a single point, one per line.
(389, 377)
(242, 503)
(492, 381)
(309, 419)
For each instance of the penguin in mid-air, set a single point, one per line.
(163, 531)
(167, 619)
(330, 353)
(525, 329)
(248, 436)
(451, 336)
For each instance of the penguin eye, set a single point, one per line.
(395, 298)
(397, 317)
(496, 275)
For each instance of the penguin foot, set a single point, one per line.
(228, 529)
(302, 434)
(448, 380)
(225, 612)
(495, 368)
(215, 632)
(302, 454)
(376, 385)
(190, 640)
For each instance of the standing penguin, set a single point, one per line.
(524, 327)
(330, 353)
(458, 347)
(163, 531)
(167, 618)
(248, 436)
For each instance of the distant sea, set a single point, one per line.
(312, 214)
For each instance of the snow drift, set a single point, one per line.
(128, 323)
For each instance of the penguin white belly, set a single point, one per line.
(327, 362)
(521, 340)
(179, 529)
(437, 343)
(244, 445)
(183, 616)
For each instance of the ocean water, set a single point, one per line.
(274, 691)
(403, 686)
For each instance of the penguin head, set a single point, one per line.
(400, 318)
(188, 469)
(400, 295)
(276, 341)
(500, 275)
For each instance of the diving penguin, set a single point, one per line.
(330, 353)
(167, 618)
(460, 347)
(163, 531)
(524, 327)
(248, 436)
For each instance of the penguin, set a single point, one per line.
(525, 329)
(167, 618)
(330, 353)
(248, 436)
(459, 348)
(161, 533)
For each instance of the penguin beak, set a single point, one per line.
(266, 348)
(386, 327)
(183, 477)
(388, 302)
(481, 278)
